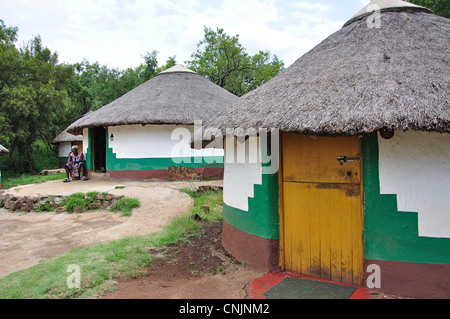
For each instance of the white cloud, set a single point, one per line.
(119, 32)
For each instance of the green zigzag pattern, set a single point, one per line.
(390, 234)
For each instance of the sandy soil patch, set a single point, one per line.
(27, 238)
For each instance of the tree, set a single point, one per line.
(151, 64)
(170, 62)
(94, 85)
(33, 96)
(223, 60)
(439, 7)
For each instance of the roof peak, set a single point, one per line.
(385, 5)
(177, 68)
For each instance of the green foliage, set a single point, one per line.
(94, 85)
(125, 205)
(77, 200)
(92, 194)
(151, 63)
(439, 7)
(39, 97)
(72, 203)
(223, 60)
(44, 207)
(212, 199)
(32, 96)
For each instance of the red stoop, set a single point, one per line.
(259, 286)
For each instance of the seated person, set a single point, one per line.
(75, 164)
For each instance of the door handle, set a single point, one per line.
(348, 174)
(342, 159)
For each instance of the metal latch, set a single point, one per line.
(342, 159)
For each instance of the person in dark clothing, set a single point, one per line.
(75, 165)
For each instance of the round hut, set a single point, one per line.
(146, 133)
(3, 151)
(65, 141)
(363, 161)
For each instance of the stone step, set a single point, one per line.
(98, 176)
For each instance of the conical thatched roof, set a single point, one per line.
(175, 96)
(3, 150)
(360, 80)
(65, 136)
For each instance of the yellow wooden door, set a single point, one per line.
(322, 210)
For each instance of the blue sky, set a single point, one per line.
(119, 32)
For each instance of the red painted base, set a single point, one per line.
(259, 286)
(260, 253)
(176, 173)
(414, 280)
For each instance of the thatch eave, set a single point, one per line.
(358, 81)
(170, 98)
(67, 137)
(3, 150)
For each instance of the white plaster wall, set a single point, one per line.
(85, 140)
(154, 141)
(240, 176)
(416, 167)
(64, 149)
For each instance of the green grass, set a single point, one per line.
(101, 264)
(212, 199)
(82, 202)
(125, 205)
(26, 179)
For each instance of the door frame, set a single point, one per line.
(96, 149)
(281, 203)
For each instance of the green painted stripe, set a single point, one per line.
(390, 234)
(89, 162)
(63, 159)
(119, 164)
(262, 218)
(124, 164)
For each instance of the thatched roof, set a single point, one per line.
(359, 80)
(65, 136)
(3, 150)
(175, 96)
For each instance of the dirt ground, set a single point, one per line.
(198, 269)
(27, 238)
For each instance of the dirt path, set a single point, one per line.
(27, 238)
(199, 269)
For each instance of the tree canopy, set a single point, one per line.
(223, 60)
(439, 7)
(33, 95)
